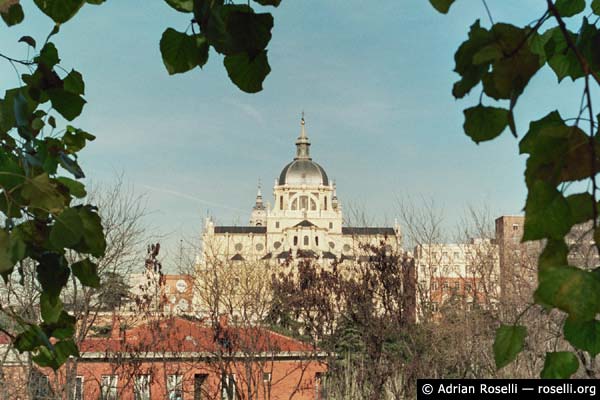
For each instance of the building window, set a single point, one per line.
(331, 225)
(306, 240)
(141, 388)
(295, 240)
(325, 208)
(468, 287)
(281, 202)
(457, 285)
(40, 387)
(199, 380)
(108, 387)
(434, 285)
(445, 285)
(228, 387)
(78, 388)
(276, 224)
(313, 205)
(434, 306)
(317, 240)
(456, 254)
(515, 227)
(295, 204)
(175, 387)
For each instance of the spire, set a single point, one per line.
(259, 200)
(302, 143)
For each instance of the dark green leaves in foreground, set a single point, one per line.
(441, 5)
(40, 221)
(485, 123)
(233, 30)
(248, 73)
(509, 342)
(560, 365)
(182, 52)
(584, 335)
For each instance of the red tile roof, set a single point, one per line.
(179, 335)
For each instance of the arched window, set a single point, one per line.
(304, 202)
(295, 240)
(306, 240)
(281, 202)
(325, 208)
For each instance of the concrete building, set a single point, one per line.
(451, 274)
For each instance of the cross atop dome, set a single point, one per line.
(302, 143)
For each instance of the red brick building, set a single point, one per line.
(182, 359)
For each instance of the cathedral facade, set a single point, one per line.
(305, 221)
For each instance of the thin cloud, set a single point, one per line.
(189, 197)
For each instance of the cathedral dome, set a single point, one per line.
(303, 170)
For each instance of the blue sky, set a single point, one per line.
(374, 79)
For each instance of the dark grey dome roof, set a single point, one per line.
(303, 172)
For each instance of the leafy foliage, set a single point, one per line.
(509, 342)
(560, 365)
(502, 60)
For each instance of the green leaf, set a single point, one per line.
(63, 328)
(50, 307)
(584, 335)
(248, 32)
(87, 273)
(93, 235)
(56, 355)
(73, 83)
(575, 291)
(560, 365)
(42, 193)
(59, 10)
(6, 263)
(28, 39)
(67, 230)
(185, 6)
(547, 213)
(508, 343)
(484, 123)
(52, 273)
(75, 139)
(68, 104)
(510, 74)
(554, 255)
(77, 189)
(560, 56)
(11, 173)
(182, 52)
(470, 72)
(48, 55)
(31, 338)
(568, 8)
(441, 6)
(596, 7)
(582, 207)
(14, 15)
(248, 73)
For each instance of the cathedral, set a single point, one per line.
(305, 220)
